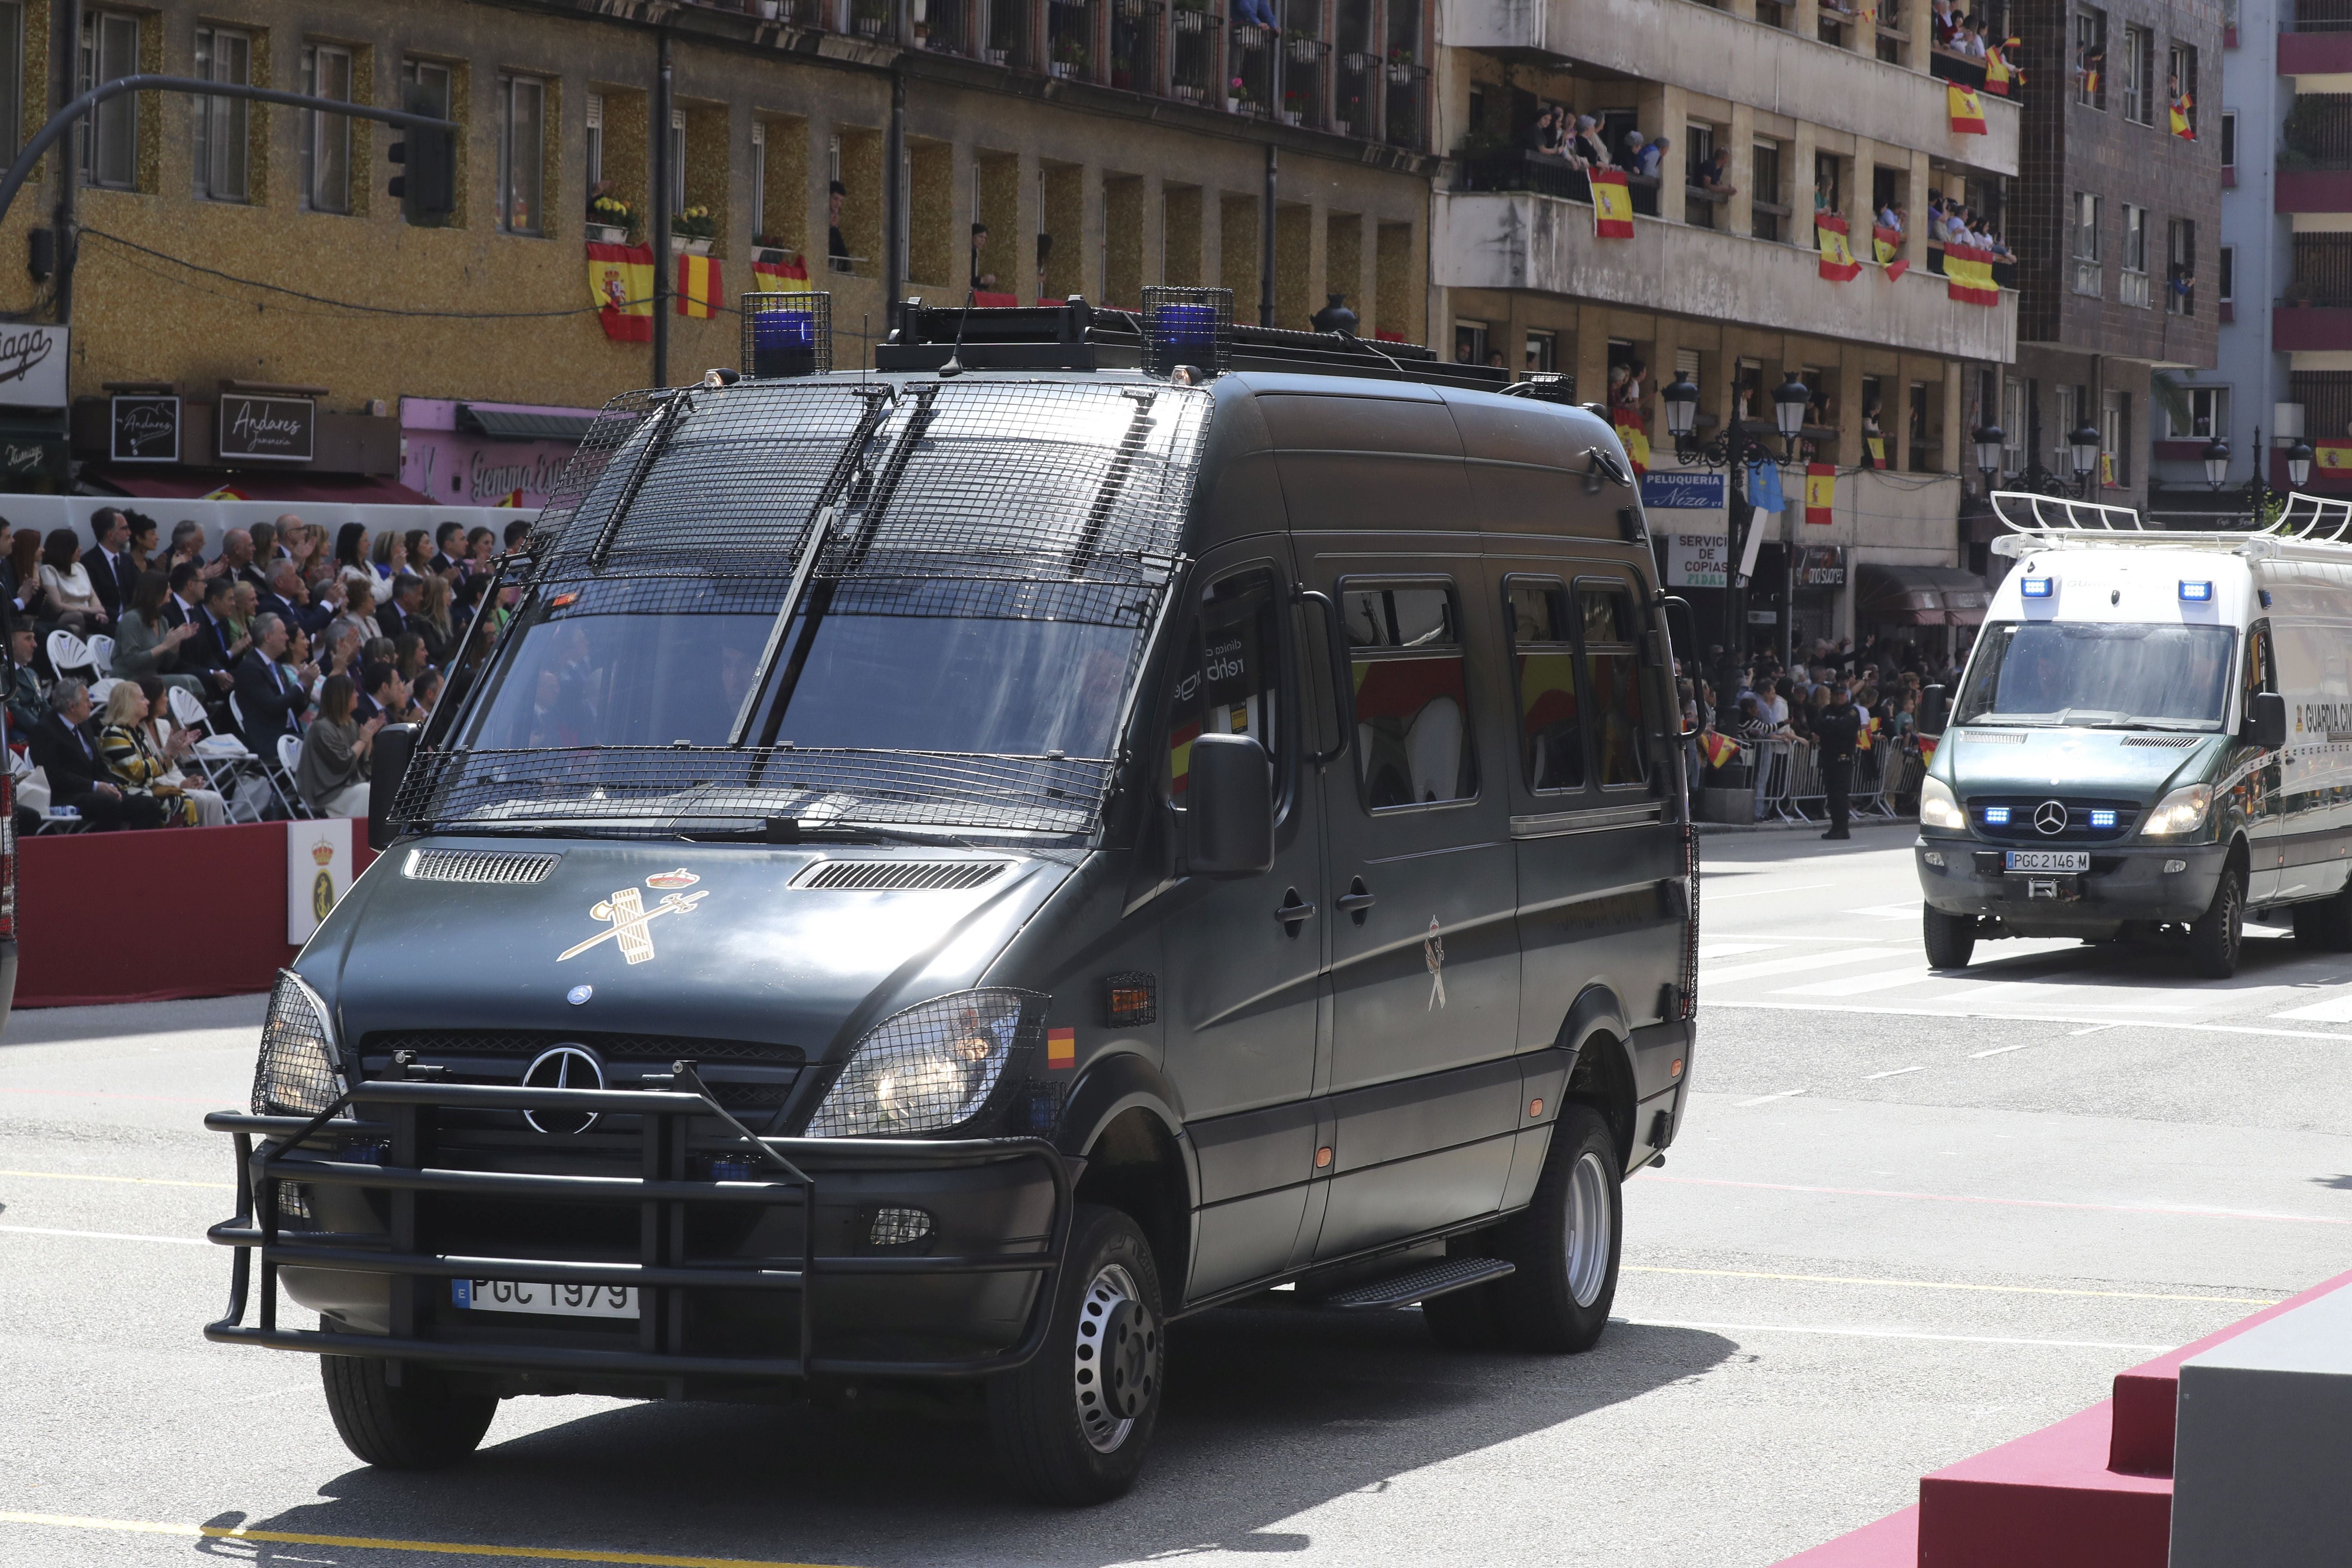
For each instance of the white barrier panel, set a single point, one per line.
(45, 512)
(318, 872)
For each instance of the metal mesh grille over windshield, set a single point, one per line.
(987, 499)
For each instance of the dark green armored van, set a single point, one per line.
(950, 869)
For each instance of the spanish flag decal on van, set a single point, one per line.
(1061, 1048)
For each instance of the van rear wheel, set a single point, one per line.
(1951, 939)
(2217, 936)
(425, 1421)
(1071, 1426)
(1565, 1243)
(2327, 923)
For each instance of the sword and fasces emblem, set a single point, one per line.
(629, 917)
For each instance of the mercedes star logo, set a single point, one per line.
(563, 1066)
(2050, 817)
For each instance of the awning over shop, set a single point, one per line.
(1919, 596)
(518, 424)
(172, 482)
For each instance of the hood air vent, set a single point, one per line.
(900, 875)
(510, 870)
(2168, 742)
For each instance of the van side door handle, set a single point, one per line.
(1294, 912)
(1356, 901)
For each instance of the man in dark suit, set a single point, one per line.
(270, 699)
(111, 576)
(449, 547)
(287, 597)
(180, 605)
(214, 651)
(62, 748)
(407, 595)
(236, 558)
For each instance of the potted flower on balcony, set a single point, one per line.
(869, 16)
(1236, 95)
(1402, 66)
(1069, 58)
(692, 230)
(1293, 106)
(610, 220)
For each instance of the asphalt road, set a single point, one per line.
(1910, 1217)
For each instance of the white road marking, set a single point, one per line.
(2337, 1009)
(2028, 1018)
(1791, 965)
(1766, 1099)
(1860, 984)
(102, 1236)
(2093, 1029)
(1868, 1334)
(1731, 949)
(1893, 1072)
(1705, 897)
(2004, 1050)
(1889, 911)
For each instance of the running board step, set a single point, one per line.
(1420, 1284)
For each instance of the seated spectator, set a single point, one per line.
(449, 547)
(420, 549)
(187, 546)
(331, 775)
(425, 694)
(359, 613)
(244, 603)
(351, 555)
(433, 622)
(272, 700)
(63, 748)
(173, 743)
(145, 644)
(28, 705)
(216, 647)
(290, 598)
(267, 550)
(137, 768)
(517, 534)
(399, 605)
(65, 582)
(27, 600)
(237, 556)
(481, 545)
(408, 657)
(390, 557)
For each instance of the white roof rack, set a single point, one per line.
(2308, 527)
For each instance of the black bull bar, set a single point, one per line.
(661, 1275)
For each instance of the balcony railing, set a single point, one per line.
(1192, 69)
(1135, 33)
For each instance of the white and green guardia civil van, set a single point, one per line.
(2153, 739)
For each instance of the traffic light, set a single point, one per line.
(427, 187)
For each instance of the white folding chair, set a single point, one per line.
(289, 757)
(68, 654)
(223, 760)
(101, 654)
(100, 690)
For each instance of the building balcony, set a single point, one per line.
(2314, 191)
(2325, 51)
(1716, 54)
(2309, 328)
(1518, 239)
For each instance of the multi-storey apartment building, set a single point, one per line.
(1772, 114)
(1105, 144)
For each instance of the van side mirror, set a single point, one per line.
(2267, 720)
(1228, 807)
(394, 745)
(1935, 704)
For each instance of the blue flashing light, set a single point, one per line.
(2196, 593)
(2103, 818)
(1996, 816)
(1188, 328)
(2038, 587)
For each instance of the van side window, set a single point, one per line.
(1551, 728)
(1230, 681)
(1412, 695)
(1613, 674)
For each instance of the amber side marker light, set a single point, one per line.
(1323, 1156)
(1534, 1108)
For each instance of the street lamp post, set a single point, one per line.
(1743, 442)
(2258, 493)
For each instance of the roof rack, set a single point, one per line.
(2309, 527)
(1075, 335)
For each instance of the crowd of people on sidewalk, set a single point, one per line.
(180, 669)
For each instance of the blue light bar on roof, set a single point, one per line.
(2196, 593)
(2038, 587)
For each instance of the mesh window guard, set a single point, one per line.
(988, 499)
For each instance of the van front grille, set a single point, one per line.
(900, 875)
(434, 1044)
(505, 867)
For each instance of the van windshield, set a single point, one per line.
(2114, 673)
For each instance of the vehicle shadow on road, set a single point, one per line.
(1268, 1414)
(2159, 962)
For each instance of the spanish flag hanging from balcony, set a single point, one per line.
(1967, 110)
(2335, 457)
(1886, 245)
(2180, 126)
(1821, 492)
(1838, 264)
(621, 283)
(780, 277)
(2000, 76)
(1636, 439)
(1969, 273)
(698, 288)
(1612, 204)
(2108, 472)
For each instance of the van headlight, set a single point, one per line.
(297, 1072)
(1937, 805)
(930, 1066)
(2182, 811)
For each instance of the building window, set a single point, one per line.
(677, 162)
(2089, 273)
(430, 88)
(326, 138)
(522, 153)
(1764, 186)
(2209, 415)
(2114, 438)
(1469, 343)
(110, 142)
(2012, 425)
(222, 145)
(2131, 285)
(1542, 353)
(759, 179)
(1698, 149)
(2228, 139)
(2180, 86)
(596, 142)
(2090, 57)
(2180, 266)
(2225, 274)
(2135, 68)
(12, 76)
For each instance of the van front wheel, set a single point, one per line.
(428, 1420)
(1072, 1425)
(2216, 936)
(1951, 939)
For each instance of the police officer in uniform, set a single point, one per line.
(1838, 726)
